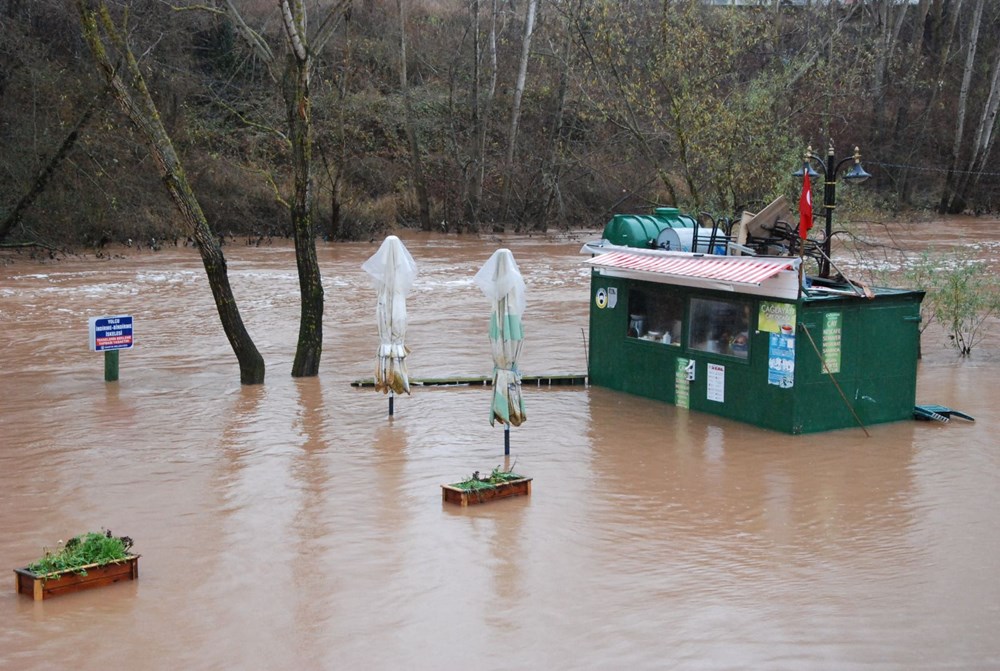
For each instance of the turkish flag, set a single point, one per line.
(805, 206)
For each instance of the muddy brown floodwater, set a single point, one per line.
(293, 525)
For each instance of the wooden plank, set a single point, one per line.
(552, 380)
(99, 579)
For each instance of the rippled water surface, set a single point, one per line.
(293, 525)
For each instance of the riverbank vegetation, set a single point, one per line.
(490, 115)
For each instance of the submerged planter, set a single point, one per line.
(486, 492)
(47, 585)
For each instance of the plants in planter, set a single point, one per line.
(499, 484)
(89, 560)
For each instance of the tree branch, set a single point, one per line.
(292, 29)
(253, 38)
(45, 175)
(329, 25)
(252, 124)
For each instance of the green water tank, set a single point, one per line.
(642, 230)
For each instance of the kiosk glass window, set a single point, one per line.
(655, 315)
(719, 327)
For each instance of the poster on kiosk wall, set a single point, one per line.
(778, 320)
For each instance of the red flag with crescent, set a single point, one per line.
(805, 206)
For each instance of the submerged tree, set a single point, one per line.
(293, 74)
(120, 68)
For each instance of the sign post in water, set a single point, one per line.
(108, 335)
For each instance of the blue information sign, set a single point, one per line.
(108, 333)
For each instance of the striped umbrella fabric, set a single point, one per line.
(393, 272)
(737, 269)
(501, 281)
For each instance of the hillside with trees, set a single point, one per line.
(486, 115)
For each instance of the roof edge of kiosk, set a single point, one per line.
(763, 276)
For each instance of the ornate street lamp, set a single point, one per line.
(830, 169)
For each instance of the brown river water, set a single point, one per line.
(294, 525)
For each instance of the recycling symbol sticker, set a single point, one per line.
(601, 298)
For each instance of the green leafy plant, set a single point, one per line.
(496, 477)
(966, 300)
(84, 550)
(924, 274)
(961, 296)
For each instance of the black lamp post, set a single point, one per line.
(830, 169)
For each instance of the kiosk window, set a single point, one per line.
(719, 327)
(655, 316)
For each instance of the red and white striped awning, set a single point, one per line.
(735, 269)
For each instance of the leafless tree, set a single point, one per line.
(515, 108)
(292, 73)
(416, 163)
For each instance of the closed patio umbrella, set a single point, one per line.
(393, 272)
(501, 281)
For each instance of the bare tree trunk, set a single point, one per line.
(335, 172)
(473, 193)
(903, 112)
(416, 165)
(298, 105)
(889, 29)
(552, 168)
(981, 144)
(963, 102)
(13, 217)
(299, 111)
(944, 54)
(482, 105)
(515, 110)
(940, 40)
(134, 98)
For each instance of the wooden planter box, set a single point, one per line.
(64, 582)
(464, 497)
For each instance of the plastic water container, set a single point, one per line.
(682, 240)
(636, 325)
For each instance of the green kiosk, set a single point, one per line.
(719, 321)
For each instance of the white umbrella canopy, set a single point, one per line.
(393, 272)
(501, 281)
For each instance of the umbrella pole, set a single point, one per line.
(506, 439)
(390, 404)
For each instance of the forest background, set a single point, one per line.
(492, 115)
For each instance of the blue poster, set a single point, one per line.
(781, 360)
